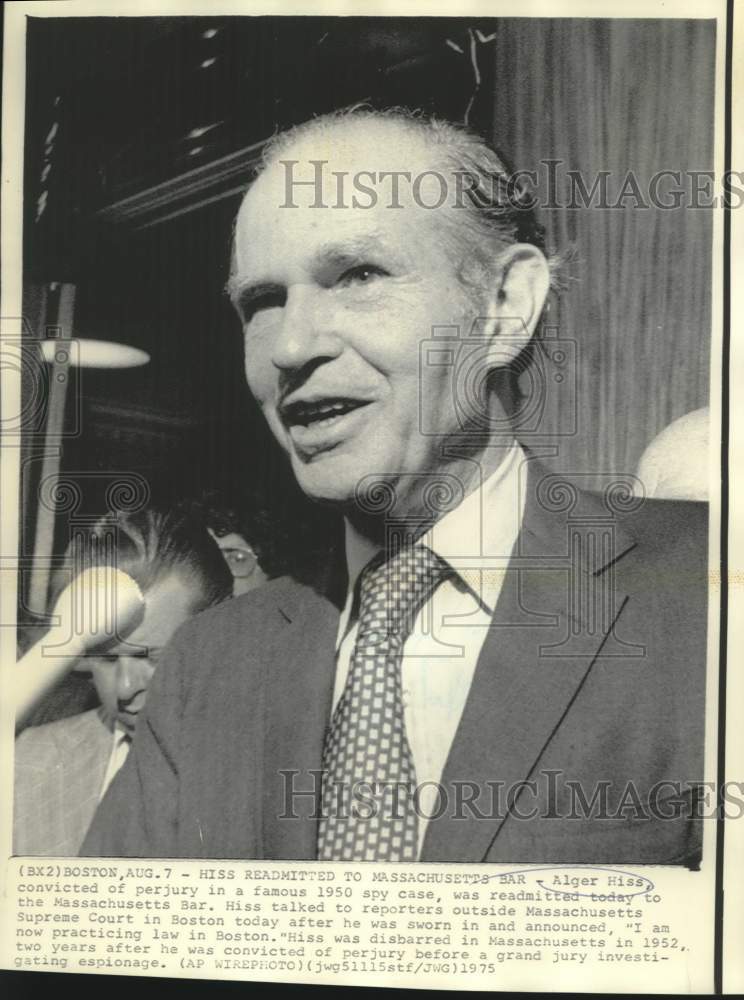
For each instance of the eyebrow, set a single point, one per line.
(351, 248)
(242, 294)
(136, 651)
(336, 253)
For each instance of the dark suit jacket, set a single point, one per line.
(593, 672)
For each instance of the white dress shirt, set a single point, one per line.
(121, 742)
(440, 655)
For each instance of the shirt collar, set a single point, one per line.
(118, 733)
(476, 538)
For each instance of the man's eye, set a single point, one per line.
(108, 658)
(362, 274)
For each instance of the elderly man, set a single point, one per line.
(499, 667)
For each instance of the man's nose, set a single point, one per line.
(133, 676)
(308, 332)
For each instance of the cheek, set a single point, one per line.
(408, 330)
(260, 373)
(105, 685)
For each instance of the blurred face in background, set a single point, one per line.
(241, 561)
(122, 674)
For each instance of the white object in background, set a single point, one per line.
(95, 353)
(675, 465)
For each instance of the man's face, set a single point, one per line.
(335, 302)
(241, 561)
(122, 675)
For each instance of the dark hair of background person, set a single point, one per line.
(150, 545)
(283, 546)
(264, 532)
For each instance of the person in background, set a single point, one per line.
(63, 768)
(231, 533)
(260, 543)
(241, 561)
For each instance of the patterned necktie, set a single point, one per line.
(368, 809)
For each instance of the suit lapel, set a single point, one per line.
(538, 652)
(299, 691)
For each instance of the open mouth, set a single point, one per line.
(320, 413)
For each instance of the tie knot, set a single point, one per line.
(393, 590)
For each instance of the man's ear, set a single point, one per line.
(515, 299)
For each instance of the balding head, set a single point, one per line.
(437, 164)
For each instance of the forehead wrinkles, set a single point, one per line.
(365, 153)
(358, 147)
(266, 220)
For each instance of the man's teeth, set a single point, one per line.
(306, 413)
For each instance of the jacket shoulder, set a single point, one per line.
(237, 616)
(238, 636)
(38, 745)
(671, 527)
(666, 570)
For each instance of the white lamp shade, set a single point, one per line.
(81, 352)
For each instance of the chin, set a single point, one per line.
(328, 480)
(344, 495)
(340, 496)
